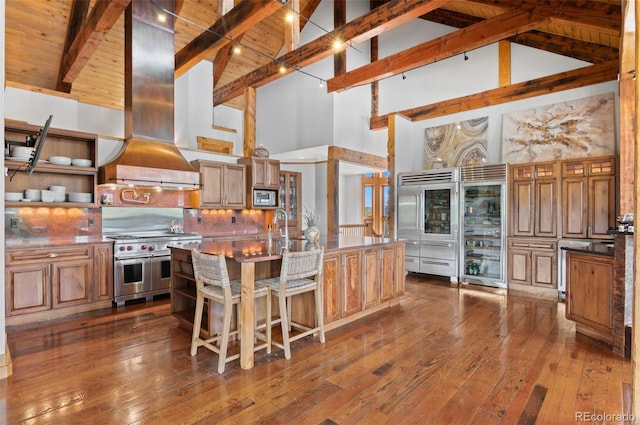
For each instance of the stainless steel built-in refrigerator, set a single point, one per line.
(428, 220)
(483, 225)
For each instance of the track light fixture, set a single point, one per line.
(404, 77)
(465, 56)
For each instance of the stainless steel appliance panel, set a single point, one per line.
(438, 249)
(439, 267)
(160, 273)
(412, 264)
(133, 276)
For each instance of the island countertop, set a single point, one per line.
(595, 249)
(246, 250)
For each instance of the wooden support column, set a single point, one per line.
(374, 86)
(631, 16)
(504, 63)
(339, 19)
(292, 27)
(391, 167)
(249, 121)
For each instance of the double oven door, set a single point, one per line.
(141, 275)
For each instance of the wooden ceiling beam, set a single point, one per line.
(576, 49)
(594, 74)
(225, 53)
(242, 17)
(469, 38)
(386, 17)
(100, 21)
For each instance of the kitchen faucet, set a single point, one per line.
(286, 224)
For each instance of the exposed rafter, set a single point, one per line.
(469, 38)
(381, 19)
(594, 74)
(242, 17)
(87, 39)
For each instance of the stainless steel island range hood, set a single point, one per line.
(149, 156)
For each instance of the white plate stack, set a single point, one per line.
(81, 197)
(13, 196)
(59, 193)
(32, 195)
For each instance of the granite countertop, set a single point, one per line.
(246, 250)
(596, 248)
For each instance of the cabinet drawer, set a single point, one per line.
(532, 244)
(412, 264)
(412, 248)
(445, 250)
(49, 254)
(438, 267)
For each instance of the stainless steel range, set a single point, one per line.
(141, 259)
(142, 263)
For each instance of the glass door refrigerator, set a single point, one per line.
(428, 220)
(483, 225)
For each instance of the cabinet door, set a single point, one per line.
(519, 266)
(273, 174)
(388, 274)
(27, 288)
(589, 291)
(544, 267)
(260, 172)
(71, 282)
(235, 187)
(371, 278)
(352, 289)
(574, 207)
(546, 208)
(211, 192)
(601, 206)
(103, 267)
(522, 208)
(332, 276)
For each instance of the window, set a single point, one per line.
(375, 202)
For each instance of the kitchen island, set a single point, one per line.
(361, 275)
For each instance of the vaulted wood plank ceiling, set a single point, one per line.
(86, 59)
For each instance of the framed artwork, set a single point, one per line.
(457, 144)
(572, 129)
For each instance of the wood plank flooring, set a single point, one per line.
(443, 356)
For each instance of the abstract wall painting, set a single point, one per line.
(572, 129)
(456, 144)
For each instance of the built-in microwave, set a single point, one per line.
(265, 198)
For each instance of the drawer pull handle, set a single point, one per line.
(52, 255)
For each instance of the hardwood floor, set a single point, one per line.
(443, 356)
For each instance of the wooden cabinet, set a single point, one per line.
(223, 185)
(534, 199)
(48, 278)
(264, 172)
(103, 272)
(590, 294)
(72, 144)
(360, 280)
(291, 199)
(588, 197)
(532, 262)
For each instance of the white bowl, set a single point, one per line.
(21, 151)
(78, 162)
(12, 196)
(60, 160)
(58, 188)
(46, 195)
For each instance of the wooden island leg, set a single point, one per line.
(247, 313)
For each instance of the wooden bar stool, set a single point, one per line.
(212, 283)
(295, 278)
